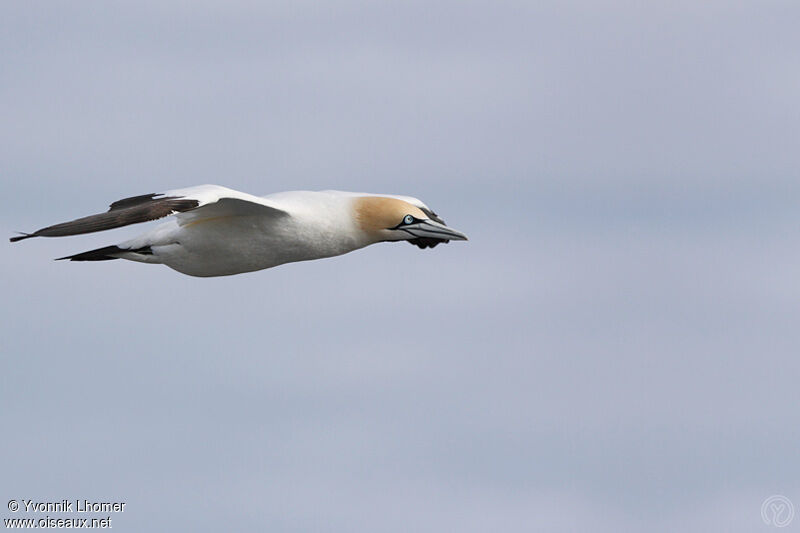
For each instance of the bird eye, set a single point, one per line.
(408, 219)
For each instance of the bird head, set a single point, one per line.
(386, 218)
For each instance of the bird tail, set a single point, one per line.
(107, 253)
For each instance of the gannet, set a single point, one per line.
(216, 231)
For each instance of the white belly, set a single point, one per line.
(232, 245)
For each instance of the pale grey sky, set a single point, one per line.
(615, 348)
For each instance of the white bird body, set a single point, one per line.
(216, 231)
(320, 225)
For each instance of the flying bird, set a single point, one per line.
(216, 231)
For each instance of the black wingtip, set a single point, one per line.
(427, 242)
(21, 236)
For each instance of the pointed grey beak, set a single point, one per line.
(434, 230)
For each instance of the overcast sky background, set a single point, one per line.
(615, 348)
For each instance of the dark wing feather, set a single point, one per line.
(431, 215)
(121, 213)
(426, 242)
(133, 201)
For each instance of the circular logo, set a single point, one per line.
(777, 511)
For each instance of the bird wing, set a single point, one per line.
(190, 205)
